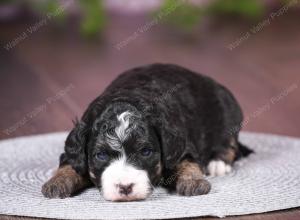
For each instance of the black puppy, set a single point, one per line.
(154, 125)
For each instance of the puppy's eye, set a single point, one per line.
(104, 126)
(102, 155)
(111, 131)
(146, 152)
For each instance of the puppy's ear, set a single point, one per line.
(173, 142)
(76, 143)
(75, 148)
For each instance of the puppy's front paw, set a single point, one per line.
(192, 187)
(57, 187)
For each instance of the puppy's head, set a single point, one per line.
(124, 156)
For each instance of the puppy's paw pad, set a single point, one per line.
(218, 168)
(56, 189)
(192, 187)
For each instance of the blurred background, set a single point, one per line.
(56, 56)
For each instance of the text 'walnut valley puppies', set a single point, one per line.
(157, 125)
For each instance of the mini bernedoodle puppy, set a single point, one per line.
(155, 125)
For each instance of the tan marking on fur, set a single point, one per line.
(158, 169)
(64, 183)
(92, 175)
(68, 172)
(232, 142)
(190, 181)
(189, 170)
(230, 156)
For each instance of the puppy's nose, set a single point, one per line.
(125, 189)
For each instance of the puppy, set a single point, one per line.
(156, 125)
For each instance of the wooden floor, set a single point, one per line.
(49, 77)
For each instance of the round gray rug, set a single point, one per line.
(266, 181)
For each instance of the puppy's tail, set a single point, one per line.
(243, 151)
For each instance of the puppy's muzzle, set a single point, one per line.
(121, 181)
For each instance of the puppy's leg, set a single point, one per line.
(190, 181)
(221, 163)
(64, 183)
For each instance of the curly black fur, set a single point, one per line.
(186, 114)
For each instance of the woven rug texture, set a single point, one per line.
(266, 181)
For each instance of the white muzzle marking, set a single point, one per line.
(123, 182)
